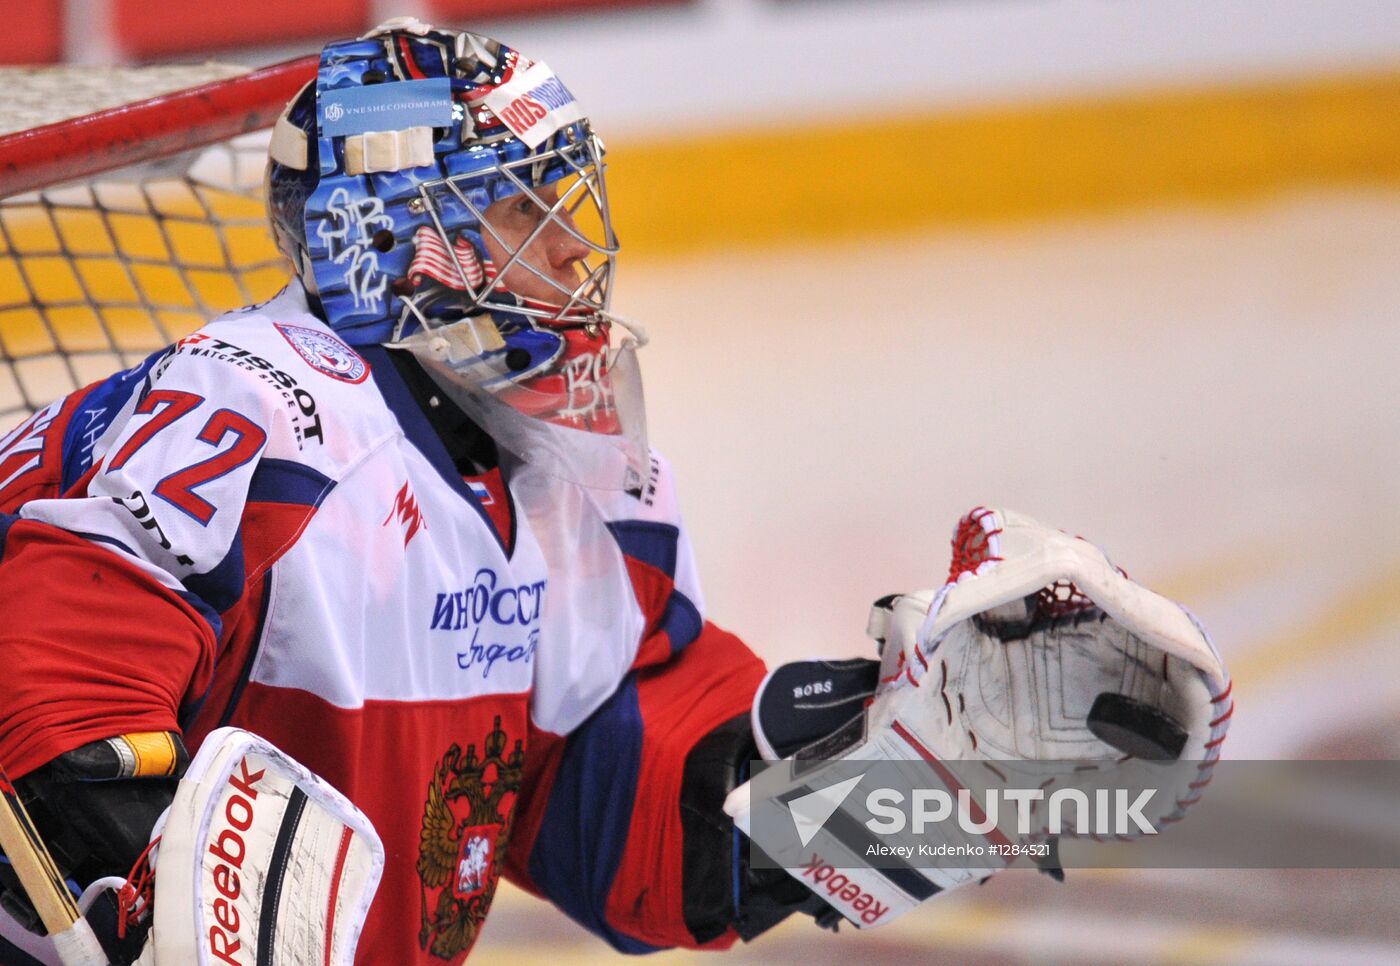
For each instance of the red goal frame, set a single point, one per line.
(144, 130)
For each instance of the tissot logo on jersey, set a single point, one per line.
(635, 489)
(306, 421)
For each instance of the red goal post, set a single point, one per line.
(130, 212)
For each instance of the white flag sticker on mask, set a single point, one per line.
(534, 104)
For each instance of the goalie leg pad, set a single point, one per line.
(260, 861)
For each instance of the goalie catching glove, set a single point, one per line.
(1036, 650)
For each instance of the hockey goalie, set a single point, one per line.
(398, 536)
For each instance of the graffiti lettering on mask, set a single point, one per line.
(485, 656)
(338, 66)
(587, 389)
(347, 234)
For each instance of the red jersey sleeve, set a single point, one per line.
(121, 549)
(598, 828)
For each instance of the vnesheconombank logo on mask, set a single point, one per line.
(386, 107)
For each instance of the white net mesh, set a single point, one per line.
(96, 275)
(43, 95)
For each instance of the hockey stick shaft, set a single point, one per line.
(34, 866)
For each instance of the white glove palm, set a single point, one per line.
(1037, 649)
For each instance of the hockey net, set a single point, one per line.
(131, 212)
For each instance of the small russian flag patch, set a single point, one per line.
(481, 491)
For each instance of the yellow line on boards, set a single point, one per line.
(1226, 571)
(1001, 164)
(1349, 619)
(1205, 945)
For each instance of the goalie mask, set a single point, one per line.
(439, 192)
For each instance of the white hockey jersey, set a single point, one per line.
(260, 527)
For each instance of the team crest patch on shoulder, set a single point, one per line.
(466, 825)
(325, 353)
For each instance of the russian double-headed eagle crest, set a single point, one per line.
(466, 825)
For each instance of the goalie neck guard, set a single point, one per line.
(439, 192)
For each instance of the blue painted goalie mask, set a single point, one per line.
(440, 192)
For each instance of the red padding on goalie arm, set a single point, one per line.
(707, 684)
(90, 646)
(710, 682)
(617, 867)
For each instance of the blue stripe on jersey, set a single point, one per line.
(580, 842)
(274, 481)
(219, 588)
(284, 481)
(210, 616)
(656, 544)
(7, 520)
(651, 543)
(96, 413)
(682, 621)
(424, 438)
(247, 671)
(103, 538)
